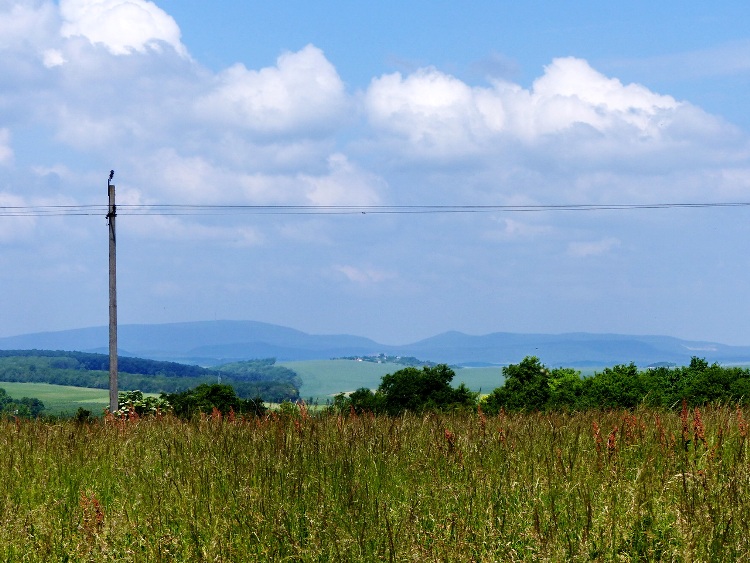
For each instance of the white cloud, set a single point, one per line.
(433, 114)
(52, 58)
(592, 248)
(185, 230)
(428, 108)
(172, 177)
(512, 229)
(6, 153)
(302, 94)
(571, 92)
(26, 23)
(344, 185)
(122, 26)
(364, 276)
(15, 228)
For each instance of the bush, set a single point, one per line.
(411, 389)
(205, 398)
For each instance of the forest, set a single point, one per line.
(249, 379)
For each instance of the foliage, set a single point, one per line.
(26, 407)
(410, 389)
(526, 388)
(531, 386)
(249, 379)
(135, 401)
(205, 398)
(614, 485)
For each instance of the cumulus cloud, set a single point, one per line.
(196, 179)
(26, 23)
(122, 26)
(429, 108)
(432, 114)
(345, 184)
(302, 94)
(52, 58)
(570, 92)
(291, 133)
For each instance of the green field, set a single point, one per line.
(323, 379)
(60, 399)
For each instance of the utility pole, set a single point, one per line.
(111, 214)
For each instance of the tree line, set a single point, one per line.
(25, 407)
(532, 386)
(80, 369)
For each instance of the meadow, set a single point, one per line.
(321, 380)
(643, 485)
(60, 400)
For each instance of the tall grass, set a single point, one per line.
(602, 486)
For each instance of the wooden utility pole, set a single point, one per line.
(111, 214)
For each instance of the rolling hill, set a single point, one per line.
(215, 342)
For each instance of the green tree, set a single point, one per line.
(565, 388)
(26, 407)
(526, 388)
(619, 386)
(412, 389)
(704, 383)
(206, 397)
(364, 400)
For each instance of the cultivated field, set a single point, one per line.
(60, 399)
(322, 379)
(601, 486)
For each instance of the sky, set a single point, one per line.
(503, 115)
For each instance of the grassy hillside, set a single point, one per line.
(322, 379)
(79, 369)
(60, 399)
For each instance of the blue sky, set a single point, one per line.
(379, 104)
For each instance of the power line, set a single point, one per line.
(235, 209)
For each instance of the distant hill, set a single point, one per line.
(84, 369)
(210, 343)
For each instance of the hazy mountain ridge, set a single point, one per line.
(210, 342)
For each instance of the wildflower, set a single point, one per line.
(598, 438)
(698, 427)
(662, 435)
(612, 441)
(685, 424)
(450, 437)
(742, 425)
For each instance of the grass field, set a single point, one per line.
(60, 399)
(322, 379)
(596, 486)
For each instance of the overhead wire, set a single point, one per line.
(234, 209)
